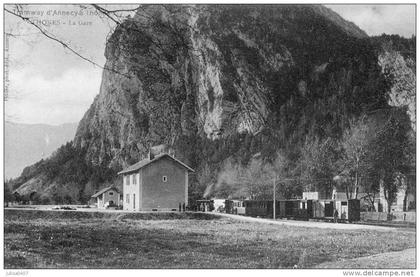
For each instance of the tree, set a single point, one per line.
(25, 199)
(57, 198)
(233, 181)
(371, 185)
(17, 197)
(254, 180)
(67, 199)
(390, 153)
(45, 200)
(8, 195)
(86, 192)
(355, 150)
(318, 168)
(287, 184)
(34, 197)
(258, 179)
(411, 175)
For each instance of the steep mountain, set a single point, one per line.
(207, 70)
(218, 83)
(397, 58)
(25, 144)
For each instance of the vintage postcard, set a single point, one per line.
(210, 136)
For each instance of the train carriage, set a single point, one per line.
(295, 208)
(300, 209)
(289, 208)
(234, 206)
(260, 208)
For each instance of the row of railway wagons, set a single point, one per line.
(344, 210)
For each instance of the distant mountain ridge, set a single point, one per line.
(26, 144)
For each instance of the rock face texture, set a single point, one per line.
(402, 75)
(206, 70)
(227, 81)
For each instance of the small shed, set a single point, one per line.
(108, 197)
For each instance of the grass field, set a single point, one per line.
(67, 239)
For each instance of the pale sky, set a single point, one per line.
(48, 84)
(378, 19)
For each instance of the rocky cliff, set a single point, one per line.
(397, 58)
(219, 82)
(205, 70)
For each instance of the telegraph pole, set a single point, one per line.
(274, 198)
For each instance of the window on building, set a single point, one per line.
(134, 179)
(164, 179)
(127, 180)
(111, 193)
(127, 198)
(134, 200)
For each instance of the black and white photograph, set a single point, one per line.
(209, 136)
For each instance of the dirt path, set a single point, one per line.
(401, 259)
(309, 224)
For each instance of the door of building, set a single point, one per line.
(309, 208)
(329, 209)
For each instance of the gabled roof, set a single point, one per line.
(104, 190)
(145, 162)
